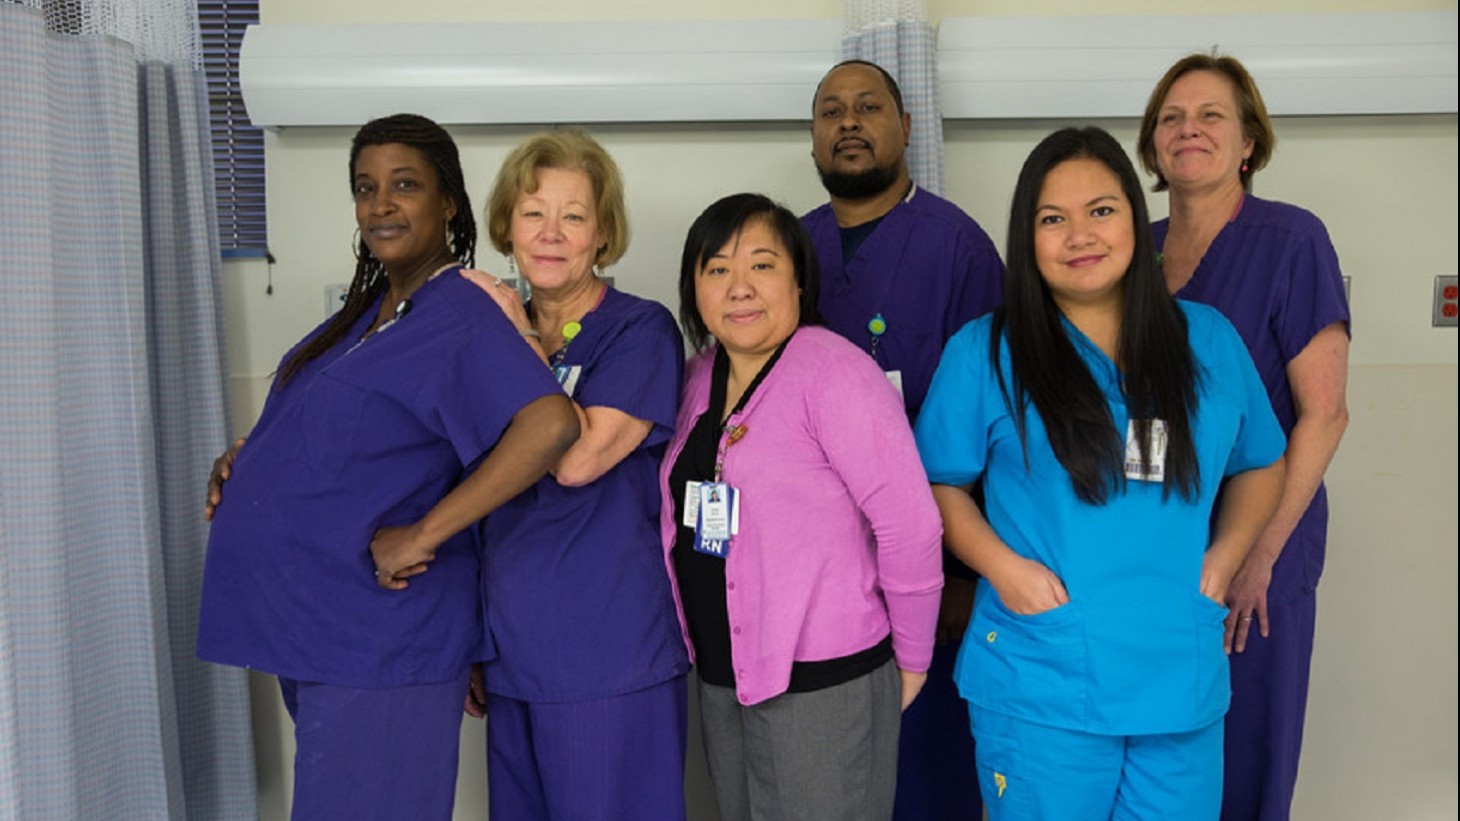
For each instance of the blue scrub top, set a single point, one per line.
(1273, 273)
(578, 601)
(371, 434)
(1138, 648)
(927, 268)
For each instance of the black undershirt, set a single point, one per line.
(852, 238)
(702, 578)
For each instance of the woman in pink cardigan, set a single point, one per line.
(799, 531)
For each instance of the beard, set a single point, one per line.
(859, 185)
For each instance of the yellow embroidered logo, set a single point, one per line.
(1001, 782)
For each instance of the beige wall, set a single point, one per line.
(1382, 727)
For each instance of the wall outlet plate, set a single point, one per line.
(334, 298)
(1447, 302)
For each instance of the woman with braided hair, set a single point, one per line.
(406, 417)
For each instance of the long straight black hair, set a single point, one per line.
(1159, 374)
(370, 282)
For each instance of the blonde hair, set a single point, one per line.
(569, 149)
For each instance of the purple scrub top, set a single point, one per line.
(577, 598)
(927, 269)
(1273, 273)
(368, 435)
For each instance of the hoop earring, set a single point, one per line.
(355, 245)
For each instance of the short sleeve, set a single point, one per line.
(638, 370)
(1314, 297)
(952, 428)
(1260, 440)
(484, 381)
(980, 284)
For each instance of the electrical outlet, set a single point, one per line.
(334, 298)
(1348, 295)
(1447, 302)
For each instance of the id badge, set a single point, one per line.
(895, 377)
(717, 518)
(1133, 467)
(691, 517)
(567, 376)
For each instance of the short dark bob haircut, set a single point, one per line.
(713, 230)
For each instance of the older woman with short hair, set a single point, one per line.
(1270, 268)
(586, 697)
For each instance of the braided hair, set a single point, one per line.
(370, 281)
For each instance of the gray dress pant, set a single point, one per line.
(827, 755)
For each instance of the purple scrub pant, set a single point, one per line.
(936, 777)
(1265, 723)
(609, 759)
(375, 755)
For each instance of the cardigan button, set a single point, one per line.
(736, 631)
(730, 585)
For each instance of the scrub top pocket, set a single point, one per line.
(1033, 667)
(332, 412)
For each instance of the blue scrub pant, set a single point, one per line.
(1265, 723)
(936, 780)
(1033, 772)
(608, 759)
(375, 755)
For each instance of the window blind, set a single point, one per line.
(238, 146)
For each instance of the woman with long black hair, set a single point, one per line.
(1102, 416)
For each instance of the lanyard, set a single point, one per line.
(876, 326)
(401, 309)
(572, 328)
(731, 435)
(570, 332)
